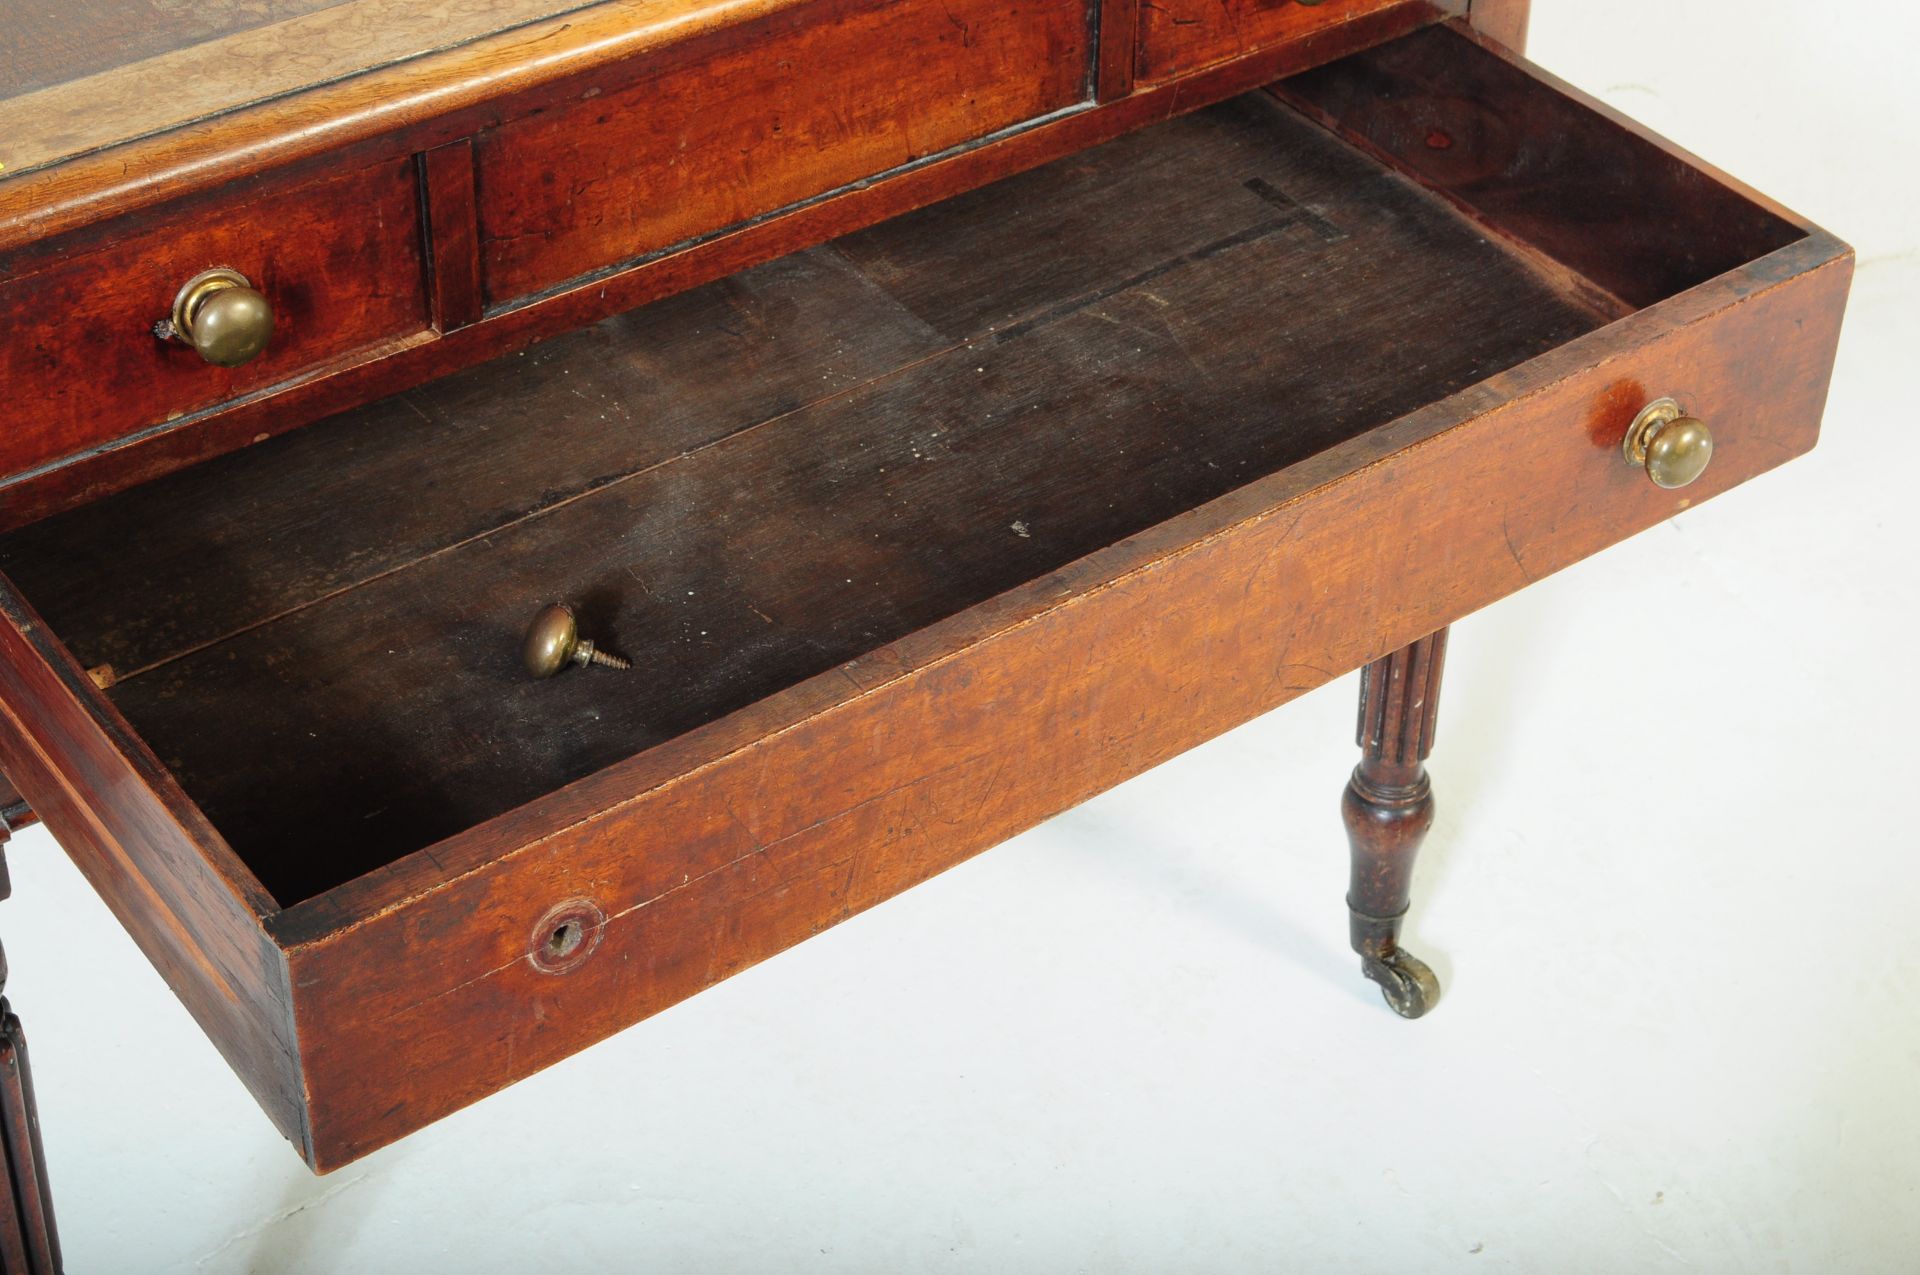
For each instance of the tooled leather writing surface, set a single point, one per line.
(51, 44)
(88, 75)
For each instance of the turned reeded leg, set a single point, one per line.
(1388, 807)
(28, 1242)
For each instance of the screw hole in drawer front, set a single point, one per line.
(566, 936)
(564, 941)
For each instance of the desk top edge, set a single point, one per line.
(90, 146)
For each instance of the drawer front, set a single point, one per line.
(339, 260)
(775, 117)
(1178, 37)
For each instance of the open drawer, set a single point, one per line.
(915, 539)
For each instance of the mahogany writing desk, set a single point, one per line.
(949, 409)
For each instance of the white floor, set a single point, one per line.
(1681, 1027)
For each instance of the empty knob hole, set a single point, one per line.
(565, 940)
(566, 936)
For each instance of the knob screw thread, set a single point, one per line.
(585, 652)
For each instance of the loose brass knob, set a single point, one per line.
(1671, 446)
(220, 314)
(554, 641)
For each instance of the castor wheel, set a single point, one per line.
(1408, 986)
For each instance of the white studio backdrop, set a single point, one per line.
(1682, 1022)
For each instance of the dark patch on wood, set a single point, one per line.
(1295, 211)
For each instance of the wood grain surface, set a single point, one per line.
(1622, 210)
(447, 184)
(722, 846)
(168, 877)
(1179, 37)
(858, 89)
(338, 258)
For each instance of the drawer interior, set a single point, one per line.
(748, 485)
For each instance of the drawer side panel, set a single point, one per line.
(148, 853)
(1542, 165)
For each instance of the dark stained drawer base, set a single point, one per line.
(916, 539)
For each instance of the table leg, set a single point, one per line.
(1388, 807)
(29, 1244)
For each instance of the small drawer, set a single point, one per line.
(915, 539)
(1179, 37)
(337, 259)
(732, 130)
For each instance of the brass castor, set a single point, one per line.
(1408, 986)
(1388, 808)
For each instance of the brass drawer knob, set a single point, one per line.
(220, 314)
(554, 641)
(1671, 446)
